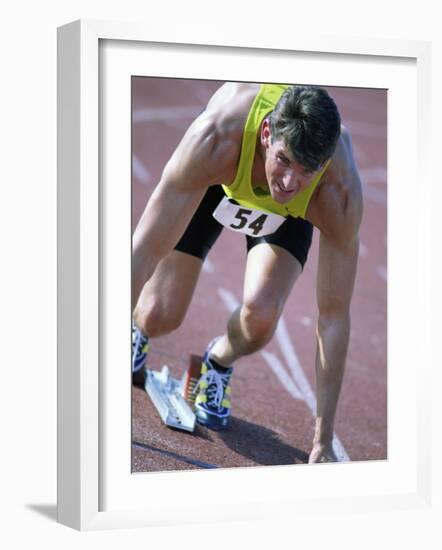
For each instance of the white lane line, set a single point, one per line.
(381, 270)
(229, 299)
(276, 366)
(208, 266)
(294, 366)
(300, 383)
(363, 250)
(376, 175)
(161, 114)
(140, 171)
(306, 321)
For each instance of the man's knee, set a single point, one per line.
(260, 320)
(156, 318)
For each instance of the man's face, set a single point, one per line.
(285, 176)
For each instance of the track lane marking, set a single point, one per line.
(171, 454)
(371, 179)
(162, 114)
(140, 171)
(294, 365)
(208, 266)
(363, 250)
(277, 367)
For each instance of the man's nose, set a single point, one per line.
(290, 180)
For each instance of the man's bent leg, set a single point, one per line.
(165, 298)
(271, 272)
(162, 305)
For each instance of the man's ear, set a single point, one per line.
(266, 135)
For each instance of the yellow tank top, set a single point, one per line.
(241, 189)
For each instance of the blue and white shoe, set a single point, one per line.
(140, 347)
(213, 395)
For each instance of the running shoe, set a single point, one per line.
(140, 347)
(213, 395)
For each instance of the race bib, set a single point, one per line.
(250, 221)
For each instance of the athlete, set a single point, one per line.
(270, 161)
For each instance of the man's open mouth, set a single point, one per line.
(286, 191)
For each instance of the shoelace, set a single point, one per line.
(216, 383)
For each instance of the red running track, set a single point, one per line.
(273, 391)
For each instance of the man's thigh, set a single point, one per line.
(170, 289)
(274, 262)
(294, 235)
(271, 272)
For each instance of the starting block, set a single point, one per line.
(174, 399)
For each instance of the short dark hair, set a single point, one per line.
(307, 120)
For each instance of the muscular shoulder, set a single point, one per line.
(336, 206)
(230, 105)
(210, 149)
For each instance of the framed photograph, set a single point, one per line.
(125, 99)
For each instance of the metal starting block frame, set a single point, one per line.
(166, 393)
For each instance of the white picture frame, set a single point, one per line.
(82, 399)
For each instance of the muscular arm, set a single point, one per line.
(335, 282)
(207, 155)
(164, 219)
(337, 213)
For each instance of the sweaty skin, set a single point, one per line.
(208, 154)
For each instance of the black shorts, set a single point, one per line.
(294, 235)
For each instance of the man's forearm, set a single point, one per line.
(332, 344)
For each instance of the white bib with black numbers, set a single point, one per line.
(250, 221)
